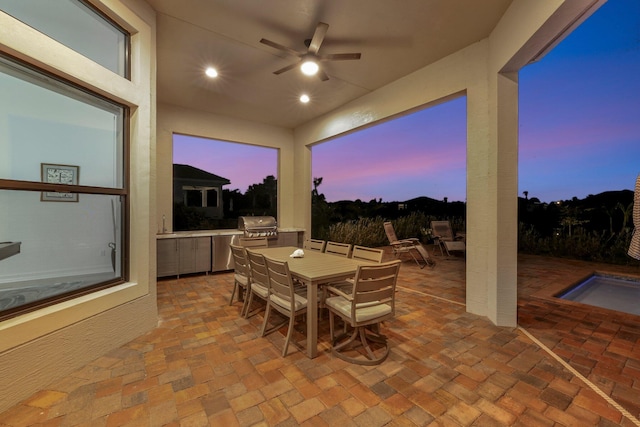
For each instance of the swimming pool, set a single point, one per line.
(611, 292)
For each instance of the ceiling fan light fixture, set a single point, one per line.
(309, 67)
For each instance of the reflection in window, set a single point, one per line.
(78, 26)
(62, 190)
(65, 248)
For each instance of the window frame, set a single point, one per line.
(39, 186)
(127, 36)
(123, 70)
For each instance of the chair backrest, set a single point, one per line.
(315, 245)
(258, 268)
(442, 229)
(280, 281)
(240, 263)
(367, 254)
(340, 249)
(254, 242)
(374, 292)
(390, 232)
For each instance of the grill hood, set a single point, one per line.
(258, 226)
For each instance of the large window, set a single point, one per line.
(77, 25)
(216, 181)
(63, 189)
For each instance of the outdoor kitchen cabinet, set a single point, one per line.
(194, 255)
(183, 255)
(167, 250)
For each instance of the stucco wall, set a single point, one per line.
(46, 345)
(177, 120)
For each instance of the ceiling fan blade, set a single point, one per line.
(323, 76)
(339, 56)
(287, 68)
(280, 47)
(318, 37)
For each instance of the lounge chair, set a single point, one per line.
(412, 246)
(445, 239)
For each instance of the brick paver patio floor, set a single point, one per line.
(565, 365)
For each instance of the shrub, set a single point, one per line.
(588, 245)
(582, 244)
(370, 231)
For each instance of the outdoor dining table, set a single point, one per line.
(314, 269)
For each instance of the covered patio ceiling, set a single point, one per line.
(395, 39)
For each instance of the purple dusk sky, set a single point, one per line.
(579, 131)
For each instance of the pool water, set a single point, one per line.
(614, 293)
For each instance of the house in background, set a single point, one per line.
(199, 189)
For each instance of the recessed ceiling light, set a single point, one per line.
(304, 98)
(211, 72)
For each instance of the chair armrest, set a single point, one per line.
(338, 292)
(405, 242)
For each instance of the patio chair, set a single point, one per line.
(340, 249)
(282, 298)
(315, 245)
(445, 239)
(254, 242)
(411, 246)
(367, 254)
(362, 253)
(371, 301)
(241, 278)
(259, 283)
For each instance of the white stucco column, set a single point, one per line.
(287, 183)
(302, 187)
(492, 194)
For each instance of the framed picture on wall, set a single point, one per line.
(59, 174)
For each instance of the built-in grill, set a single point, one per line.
(258, 226)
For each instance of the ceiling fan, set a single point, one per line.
(310, 60)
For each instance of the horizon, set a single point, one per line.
(578, 131)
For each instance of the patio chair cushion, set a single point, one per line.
(300, 301)
(259, 289)
(364, 312)
(242, 279)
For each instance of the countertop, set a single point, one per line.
(211, 233)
